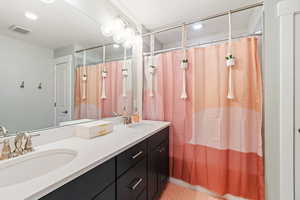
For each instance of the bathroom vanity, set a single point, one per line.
(129, 163)
(136, 173)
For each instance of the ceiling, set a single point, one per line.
(156, 14)
(59, 24)
(77, 22)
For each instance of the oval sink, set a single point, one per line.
(141, 125)
(33, 165)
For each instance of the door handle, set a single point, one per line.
(65, 112)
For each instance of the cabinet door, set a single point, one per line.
(153, 168)
(163, 172)
(87, 186)
(143, 196)
(108, 194)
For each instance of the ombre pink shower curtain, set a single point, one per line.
(93, 107)
(215, 142)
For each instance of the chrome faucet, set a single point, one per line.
(3, 131)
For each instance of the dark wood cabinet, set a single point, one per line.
(139, 173)
(153, 168)
(158, 164)
(163, 170)
(88, 185)
(107, 194)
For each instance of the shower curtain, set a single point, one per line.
(92, 106)
(215, 142)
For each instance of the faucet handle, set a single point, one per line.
(3, 131)
(6, 150)
(28, 142)
(19, 150)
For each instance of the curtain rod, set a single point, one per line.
(206, 18)
(200, 44)
(109, 60)
(95, 47)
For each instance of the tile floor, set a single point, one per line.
(175, 192)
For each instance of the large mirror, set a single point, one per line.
(55, 70)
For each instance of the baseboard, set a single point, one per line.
(201, 189)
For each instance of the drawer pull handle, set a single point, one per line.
(137, 155)
(136, 184)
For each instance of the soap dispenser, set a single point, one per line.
(135, 117)
(126, 118)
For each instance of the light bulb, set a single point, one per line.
(31, 16)
(129, 33)
(107, 30)
(118, 25)
(116, 46)
(119, 37)
(128, 44)
(197, 26)
(48, 1)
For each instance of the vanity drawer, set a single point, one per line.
(158, 138)
(130, 157)
(87, 186)
(131, 184)
(108, 194)
(143, 196)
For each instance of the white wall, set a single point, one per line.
(271, 100)
(28, 108)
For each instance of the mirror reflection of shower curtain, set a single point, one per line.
(215, 142)
(93, 107)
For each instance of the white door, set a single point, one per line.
(63, 89)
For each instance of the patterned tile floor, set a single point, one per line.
(175, 192)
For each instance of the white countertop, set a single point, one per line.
(91, 153)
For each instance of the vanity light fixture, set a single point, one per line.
(31, 16)
(122, 34)
(48, 1)
(197, 26)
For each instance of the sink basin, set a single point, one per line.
(33, 165)
(141, 125)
